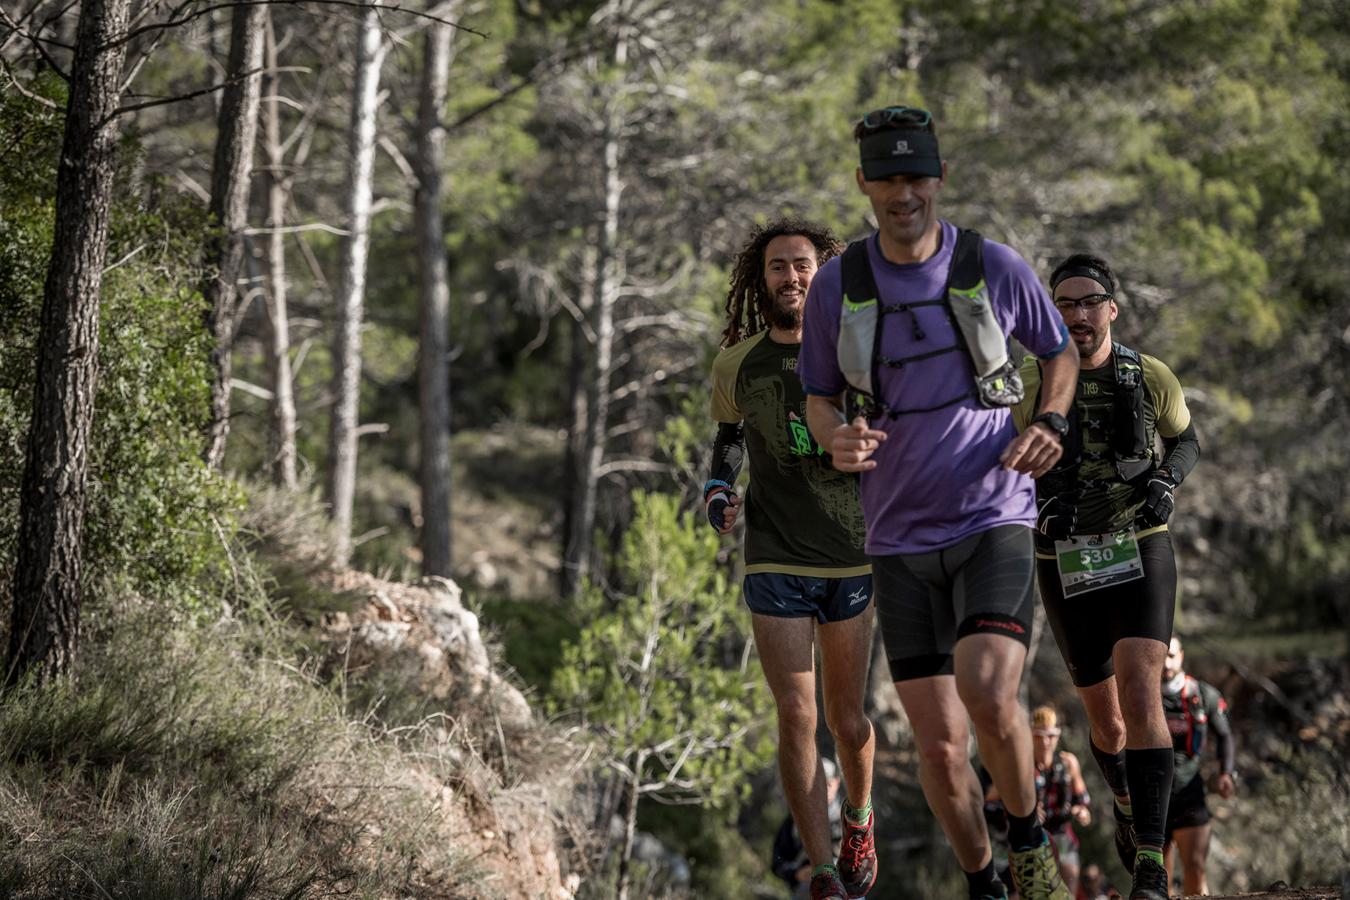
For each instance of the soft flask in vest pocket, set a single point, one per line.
(997, 379)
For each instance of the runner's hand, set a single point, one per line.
(722, 508)
(1056, 519)
(1033, 451)
(1158, 503)
(1082, 815)
(851, 444)
(1225, 786)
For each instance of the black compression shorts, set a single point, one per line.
(1187, 807)
(1088, 626)
(926, 602)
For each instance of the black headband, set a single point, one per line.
(1098, 275)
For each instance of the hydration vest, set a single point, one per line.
(1189, 726)
(1055, 790)
(995, 379)
(1131, 450)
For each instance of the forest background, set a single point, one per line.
(478, 258)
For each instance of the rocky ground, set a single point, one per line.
(420, 636)
(1288, 894)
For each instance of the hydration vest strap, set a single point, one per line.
(967, 271)
(900, 362)
(906, 307)
(1191, 699)
(1129, 434)
(996, 380)
(859, 329)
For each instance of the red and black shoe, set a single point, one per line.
(827, 887)
(858, 856)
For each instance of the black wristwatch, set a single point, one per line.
(1058, 424)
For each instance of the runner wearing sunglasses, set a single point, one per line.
(1105, 565)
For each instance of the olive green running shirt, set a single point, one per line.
(1110, 504)
(802, 516)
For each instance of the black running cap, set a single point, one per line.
(899, 152)
(1096, 274)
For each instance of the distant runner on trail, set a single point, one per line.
(1061, 797)
(905, 361)
(1107, 575)
(807, 579)
(1195, 710)
(1060, 791)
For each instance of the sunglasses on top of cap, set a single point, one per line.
(893, 116)
(1090, 303)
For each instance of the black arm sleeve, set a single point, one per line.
(1223, 730)
(728, 451)
(1223, 742)
(1181, 453)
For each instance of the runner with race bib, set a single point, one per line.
(1105, 565)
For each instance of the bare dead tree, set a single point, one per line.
(577, 554)
(236, 132)
(281, 407)
(434, 305)
(45, 618)
(342, 430)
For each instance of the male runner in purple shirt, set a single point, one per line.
(946, 492)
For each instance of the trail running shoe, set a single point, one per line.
(1125, 846)
(1150, 880)
(1036, 874)
(858, 856)
(826, 887)
(1001, 895)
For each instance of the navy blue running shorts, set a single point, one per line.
(798, 596)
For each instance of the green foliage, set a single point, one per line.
(533, 634)
(154, 513)
(658, 676)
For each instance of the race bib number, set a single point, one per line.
(1089, 562)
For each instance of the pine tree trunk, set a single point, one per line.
(577, 559)
(236, 132)
(629, 830)
(281, 408)
(45, 616)
(434, 304)
(342, 435)
(576, 427)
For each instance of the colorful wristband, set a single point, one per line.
(712, 484)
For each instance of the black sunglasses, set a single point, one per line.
(1088, 303)
(907, 115)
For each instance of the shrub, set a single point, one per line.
(154, 512)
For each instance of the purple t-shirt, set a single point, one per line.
(938, 478)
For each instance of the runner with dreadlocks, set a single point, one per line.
(807, 578)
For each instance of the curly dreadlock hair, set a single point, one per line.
(748, 299)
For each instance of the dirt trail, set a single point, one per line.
(1327, 893)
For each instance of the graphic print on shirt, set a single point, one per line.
(801, 513)
(781, 421)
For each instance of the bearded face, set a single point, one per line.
(789, 266)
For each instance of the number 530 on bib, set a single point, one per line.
(1089, 562)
